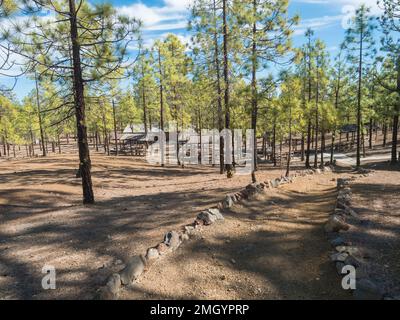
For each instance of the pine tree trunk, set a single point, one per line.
(40, 116)
(290, 143)
(84, 156)
(115, 129)
(254, 102)
(228, 167)
(161, 109)
(219, 93)
(359, 99)
(274, 143)
(370, 133)
(394, 139)
(308, 144)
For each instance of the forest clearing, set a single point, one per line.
(199, 150)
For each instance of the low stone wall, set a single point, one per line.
(342, 220)
(137, 265)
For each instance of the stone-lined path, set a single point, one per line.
(270, 248)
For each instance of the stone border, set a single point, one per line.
(347, 255)
(139, 264)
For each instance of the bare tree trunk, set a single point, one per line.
(59, 143)
(84, 156)
(254, 100)
(394, 139)
(290, 143)
(359, 98)
(316, 125)
(322, 147)
(274, 143)
(161, 107)
(370, 133)
(39, 116)
(115, 129)
(228, 167)
(219, 93)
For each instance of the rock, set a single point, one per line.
(228, 202)
(152, 254)
(210, 216)
(342, 183)
(3, 270)
(114, 283)
(275, 183)
(238, 196)
(133, 270)
(206, 217)
(345, 191)
(344, 198)
(352, 261)
(198, 223)
(162, 249)
(283, 180)
(118, 262)
(106, 294)
(341, 205)
(340, 213)
(184, 237)
(253, 189)
(367, 290)
(339, 256)
(348, 249)
(216, 213)
(349, 211)
(171, 239)
(335, 224)
(339, 267)
(339, 241)
(244, 194)
(189, 230)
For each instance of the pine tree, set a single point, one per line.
(360, 44)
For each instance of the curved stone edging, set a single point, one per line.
(139, 264)
(345, 254)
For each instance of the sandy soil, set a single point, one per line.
(376, 199)
(277, 244)
(42, 221)
(270, 248)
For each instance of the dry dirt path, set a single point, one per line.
(42, 220)
(270, 248)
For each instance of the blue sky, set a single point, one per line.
(161, 17)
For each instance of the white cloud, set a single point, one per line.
(340, 3)
(317, 23)
(172, 15)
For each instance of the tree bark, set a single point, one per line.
(84, 156)
(115, 129)
(40, 117)
(219, 93)
(254, 100)
(161, 106)
(228, 167)
(360, 62)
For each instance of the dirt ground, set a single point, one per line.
(376, 199)
(274, 248)
(269, 248)
(42, 220)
